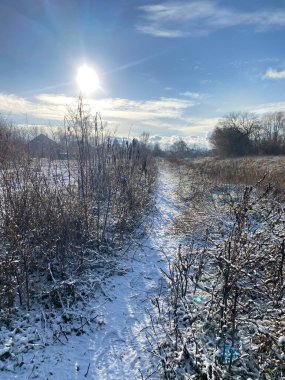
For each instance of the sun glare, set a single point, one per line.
(87, 79)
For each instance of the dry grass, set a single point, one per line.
(56, 217)
(221, 317)
(246, 170)
(209, 185)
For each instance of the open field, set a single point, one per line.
(245, 170)
(196, 293)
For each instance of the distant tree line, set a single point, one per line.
(242, 133)
(179, 149)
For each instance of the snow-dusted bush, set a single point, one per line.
(223, 316)
(55, 216)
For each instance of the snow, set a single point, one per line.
(115, 345)
(281, 341)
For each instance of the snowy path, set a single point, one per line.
(116, 351)
(121, 347)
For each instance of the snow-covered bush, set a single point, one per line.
(55, 216)
(223, 314)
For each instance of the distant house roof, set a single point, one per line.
(44, 147)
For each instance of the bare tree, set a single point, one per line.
(230, 141)
(237, 134)
(180, 148)
(273, 127)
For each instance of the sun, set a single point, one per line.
(87, 79)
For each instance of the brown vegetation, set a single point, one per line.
(58, 217)
(244, 170)
(223, 314)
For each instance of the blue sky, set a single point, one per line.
(171, 68)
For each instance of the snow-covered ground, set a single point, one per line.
(116, 347)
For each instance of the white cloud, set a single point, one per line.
(12, 104)
(192, 141)
(165, 114)
(274, 74)
(135, 110)
(202, 125)
(160, 32)
(182, 18)
(55, 106)
(269, 107)
(57, 99)
(194, 95)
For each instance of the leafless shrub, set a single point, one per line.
(12, 142)
(224, 314)
(55, 215)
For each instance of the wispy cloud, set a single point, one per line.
(159, 114)
(268, 107)
(156, 31)
(58, 99)
(274, 74)
(194, 95)
(196, 18)
(15, 105)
